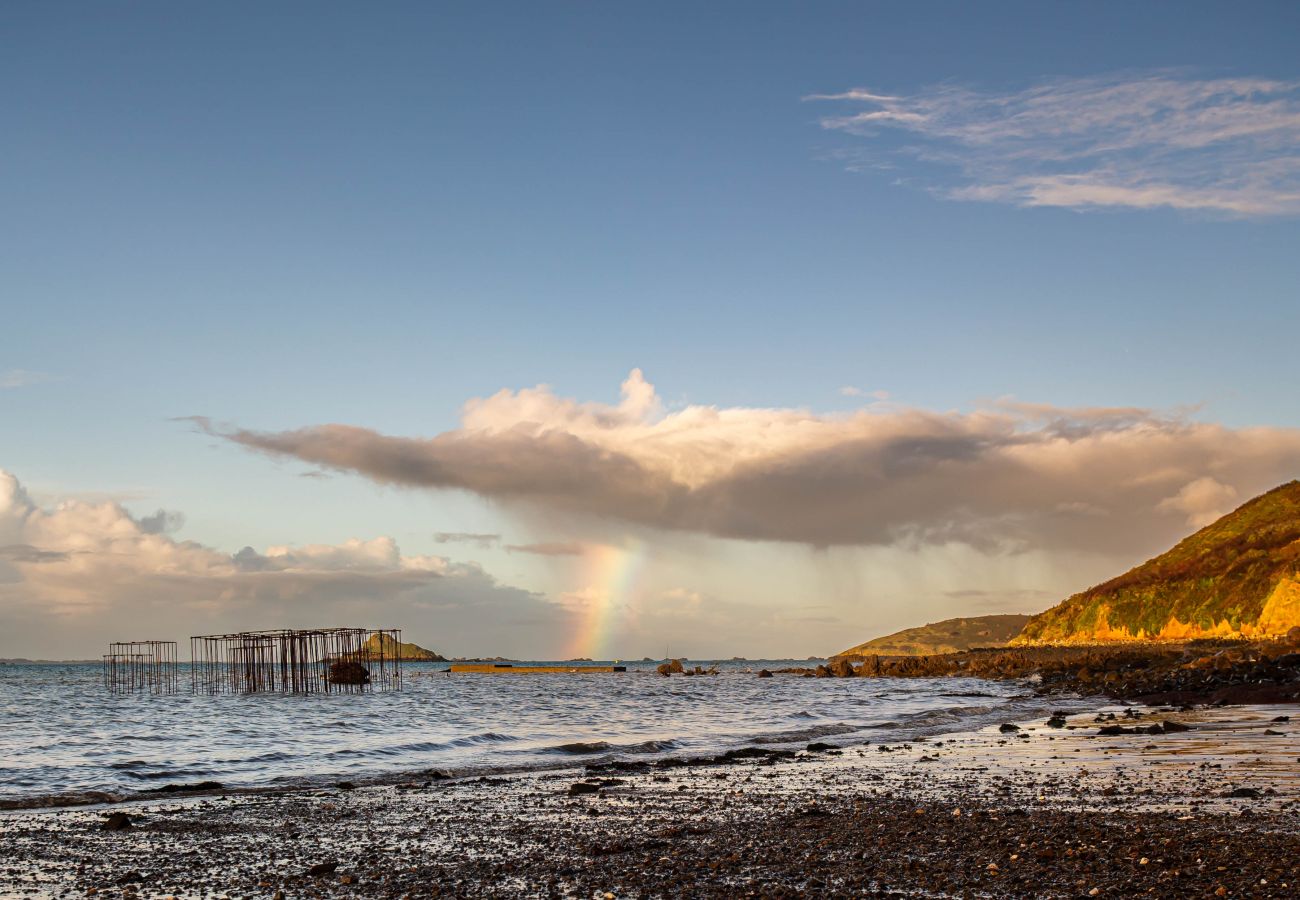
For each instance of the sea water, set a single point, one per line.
(62, 733)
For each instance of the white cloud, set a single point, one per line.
(850, 390)
(1163, 139)
(1015, 476)
(1201, 501)
(78, 574)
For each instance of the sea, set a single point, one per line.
(63, 735)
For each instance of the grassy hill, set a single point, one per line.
(393, 648)
(1234, 578)
(948, 636)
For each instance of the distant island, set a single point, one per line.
(948, 636)
(1235, 578)
(380, 643)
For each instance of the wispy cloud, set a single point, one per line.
(850, 390)
(1015, 475)
(568, 548)
(1156, 139)
(466, 537)
(16, 378)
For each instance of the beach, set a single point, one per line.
(1038, 809)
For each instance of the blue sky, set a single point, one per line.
(287, 215)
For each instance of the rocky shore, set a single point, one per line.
(1043, 809)
(1209, 671)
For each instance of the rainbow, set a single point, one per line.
(610, 578)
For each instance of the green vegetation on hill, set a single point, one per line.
(392, 648)
(1234, 578)
(948, 636)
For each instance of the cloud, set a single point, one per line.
(849, 390)
(162, 522)
(1016, 476)
(1007, 600)
(26, 553)
(1155, 139)
(1201, 501)
(466, 537)
(75, 575)
(16, 378)
(571, 548)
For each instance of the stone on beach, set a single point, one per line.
(117, 821)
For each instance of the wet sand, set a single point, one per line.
(1042, 811)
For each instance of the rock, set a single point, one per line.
(823, 672)
(818, 747)
(1282, 719)
(349, 672)
(764, 673)
(1056, 721)
(870, 667)
(746, 753)
(1112, 730)
(841, 668)
(1008, 728)
(583, 787)
(118, 821)
(184, 788)
(345, 786)
(1170, 727)
(323, 868)
(1244, 792)
(672, 667)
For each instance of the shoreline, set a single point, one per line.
(1056, 676)
(1214, 671)
(1040, 810)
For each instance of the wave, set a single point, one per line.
(583, 748)
(805, 734)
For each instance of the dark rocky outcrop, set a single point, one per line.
(348, 672)
(1163, 673)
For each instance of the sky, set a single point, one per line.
(614, 330)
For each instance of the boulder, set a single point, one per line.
(348, 672)
(116, 822)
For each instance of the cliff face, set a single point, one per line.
(1235, 578)
(948, 636)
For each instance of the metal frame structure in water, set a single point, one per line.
(141, 666)
(297, 661)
